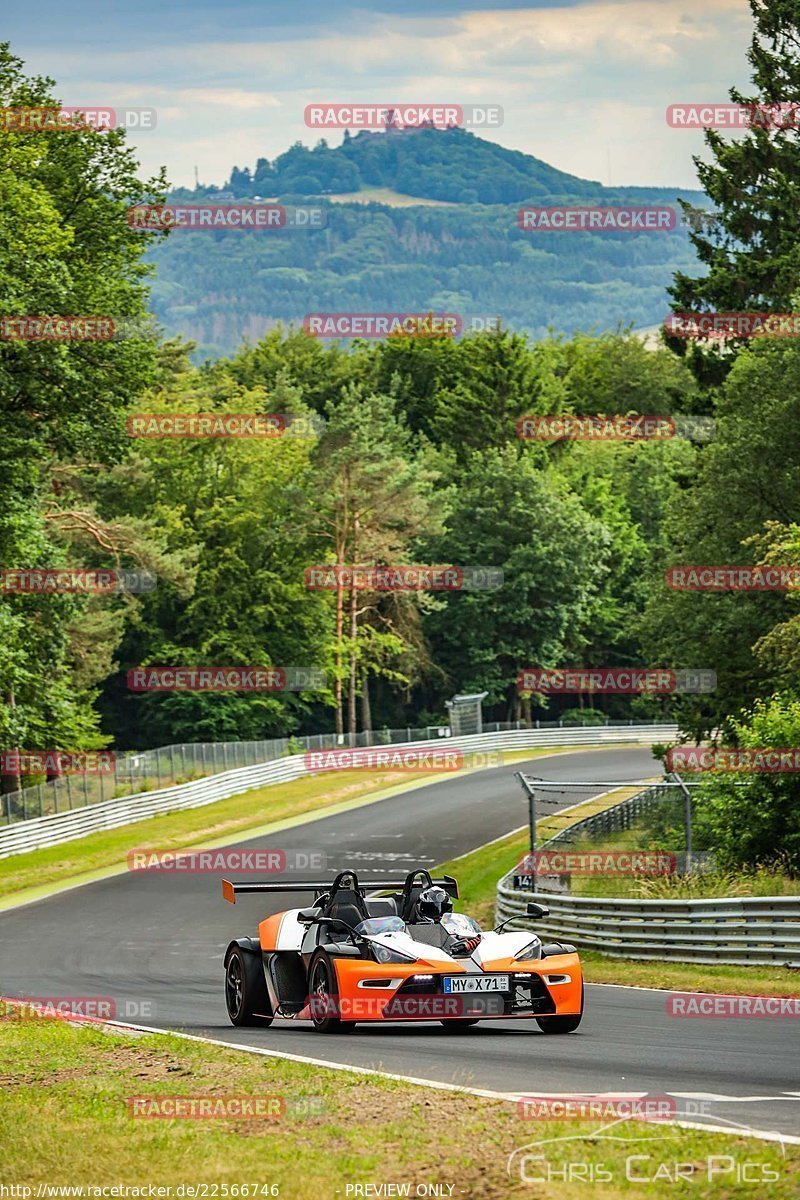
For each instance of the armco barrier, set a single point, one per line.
(51, 830)
(753, 931)
(136, 771)
(761, 931)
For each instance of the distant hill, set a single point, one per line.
(451, 165)
(463, 254)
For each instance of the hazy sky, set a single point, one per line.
(583, 85)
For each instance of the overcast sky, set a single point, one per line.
(583, 85)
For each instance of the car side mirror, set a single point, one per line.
(538, 910)
(307, 916)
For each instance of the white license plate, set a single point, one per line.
(476, 983)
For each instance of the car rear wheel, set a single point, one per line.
(324, 999)
(246, 990)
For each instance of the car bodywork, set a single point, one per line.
(354, 956)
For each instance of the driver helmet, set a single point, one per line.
(433, 903)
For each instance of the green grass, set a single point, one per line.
(762, 882)
(65, 1120)
(479, 871)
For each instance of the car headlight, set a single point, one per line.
(387, 954)
(532, 950)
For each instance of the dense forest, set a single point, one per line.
(413, 456)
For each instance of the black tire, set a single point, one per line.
(246, 990)
(459, 1026)
(322, 984)
(561, 1024)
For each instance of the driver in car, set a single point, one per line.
(435, 907)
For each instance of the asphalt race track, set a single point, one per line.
(154, 942)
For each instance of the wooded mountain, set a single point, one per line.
(464, 254)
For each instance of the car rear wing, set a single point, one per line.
(230, 890)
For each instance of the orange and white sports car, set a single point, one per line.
(355, 956)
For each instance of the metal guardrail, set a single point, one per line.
(55, 828)
(753, 931)
(134, 771)
(749, 931)
(611, 820)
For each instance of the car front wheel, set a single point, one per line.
(324, 999)
(246, 990)
(561, 1024)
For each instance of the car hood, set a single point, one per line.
(492, 946)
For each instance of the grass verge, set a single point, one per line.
(213, 824)
(65, 1120)
(479, 871)
(219, 822)
(704, 884)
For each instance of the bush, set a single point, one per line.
(583, 716)
(753, 820)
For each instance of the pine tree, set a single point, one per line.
(752, 247)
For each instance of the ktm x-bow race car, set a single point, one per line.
(355, 956)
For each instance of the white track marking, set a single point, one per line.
(485, 1093)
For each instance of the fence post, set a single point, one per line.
(687, 819)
